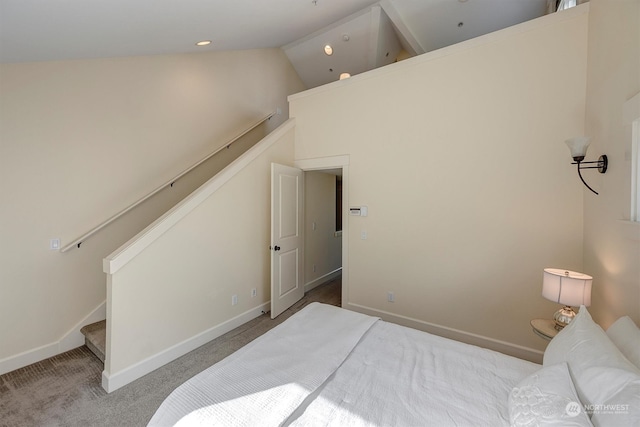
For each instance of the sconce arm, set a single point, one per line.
(582, 179)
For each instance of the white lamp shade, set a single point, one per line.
(567, 287)
(578, 146)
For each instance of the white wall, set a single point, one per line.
(612, 243)
(80, 140)
(322, 248)
(459, 156)
(170, 288)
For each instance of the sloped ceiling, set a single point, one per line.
(392, 30)
(359, 43)
(378, 31)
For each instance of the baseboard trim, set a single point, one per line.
(70, 340)
(113, 381)
(322, 279)
(28, 357)
(504, 347)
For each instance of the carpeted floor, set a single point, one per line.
(65, 390)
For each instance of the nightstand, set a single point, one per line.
(544, 328)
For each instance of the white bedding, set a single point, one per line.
(329, 366)
(399, 376)
(265, 381)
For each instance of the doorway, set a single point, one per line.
(323, 228)
(336, 165)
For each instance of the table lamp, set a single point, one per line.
(568, 288)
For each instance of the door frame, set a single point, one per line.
(336, 162)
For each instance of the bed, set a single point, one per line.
(326, 366)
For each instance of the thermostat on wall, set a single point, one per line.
(358, 211)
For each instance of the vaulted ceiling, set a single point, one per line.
(363, 34)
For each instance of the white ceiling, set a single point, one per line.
(45, 30)
(42, 30)
(435, 24)
(361, 42)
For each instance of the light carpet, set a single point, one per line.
(65, 390)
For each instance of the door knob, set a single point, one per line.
(277, 248)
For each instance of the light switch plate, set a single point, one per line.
(54, 244)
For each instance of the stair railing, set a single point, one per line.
(77, 242)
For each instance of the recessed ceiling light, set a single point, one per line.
(344, 76)
(203, 43)
(328, 50)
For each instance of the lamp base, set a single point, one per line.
(563, 317)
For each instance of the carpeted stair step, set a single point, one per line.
(95, 337)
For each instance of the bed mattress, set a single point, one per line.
(334, 367)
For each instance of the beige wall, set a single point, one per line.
(322, 249)
(180, 286)
(81, 140)
(612, 243)
(459, 156)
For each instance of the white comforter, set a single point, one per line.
(398, 376)
(329, 366)
(265, 381)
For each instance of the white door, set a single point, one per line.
(287, 242)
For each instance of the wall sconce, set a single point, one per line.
(578, 147)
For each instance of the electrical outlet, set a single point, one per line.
(391, 297)
(254, 292)
(234, 299)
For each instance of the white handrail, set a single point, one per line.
(77, 242)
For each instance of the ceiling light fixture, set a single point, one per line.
(328, 50)
(344, 76)
(203, 43)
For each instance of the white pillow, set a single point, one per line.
(622, 409)
(547, 398)
(599, 370)
(626, 336)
